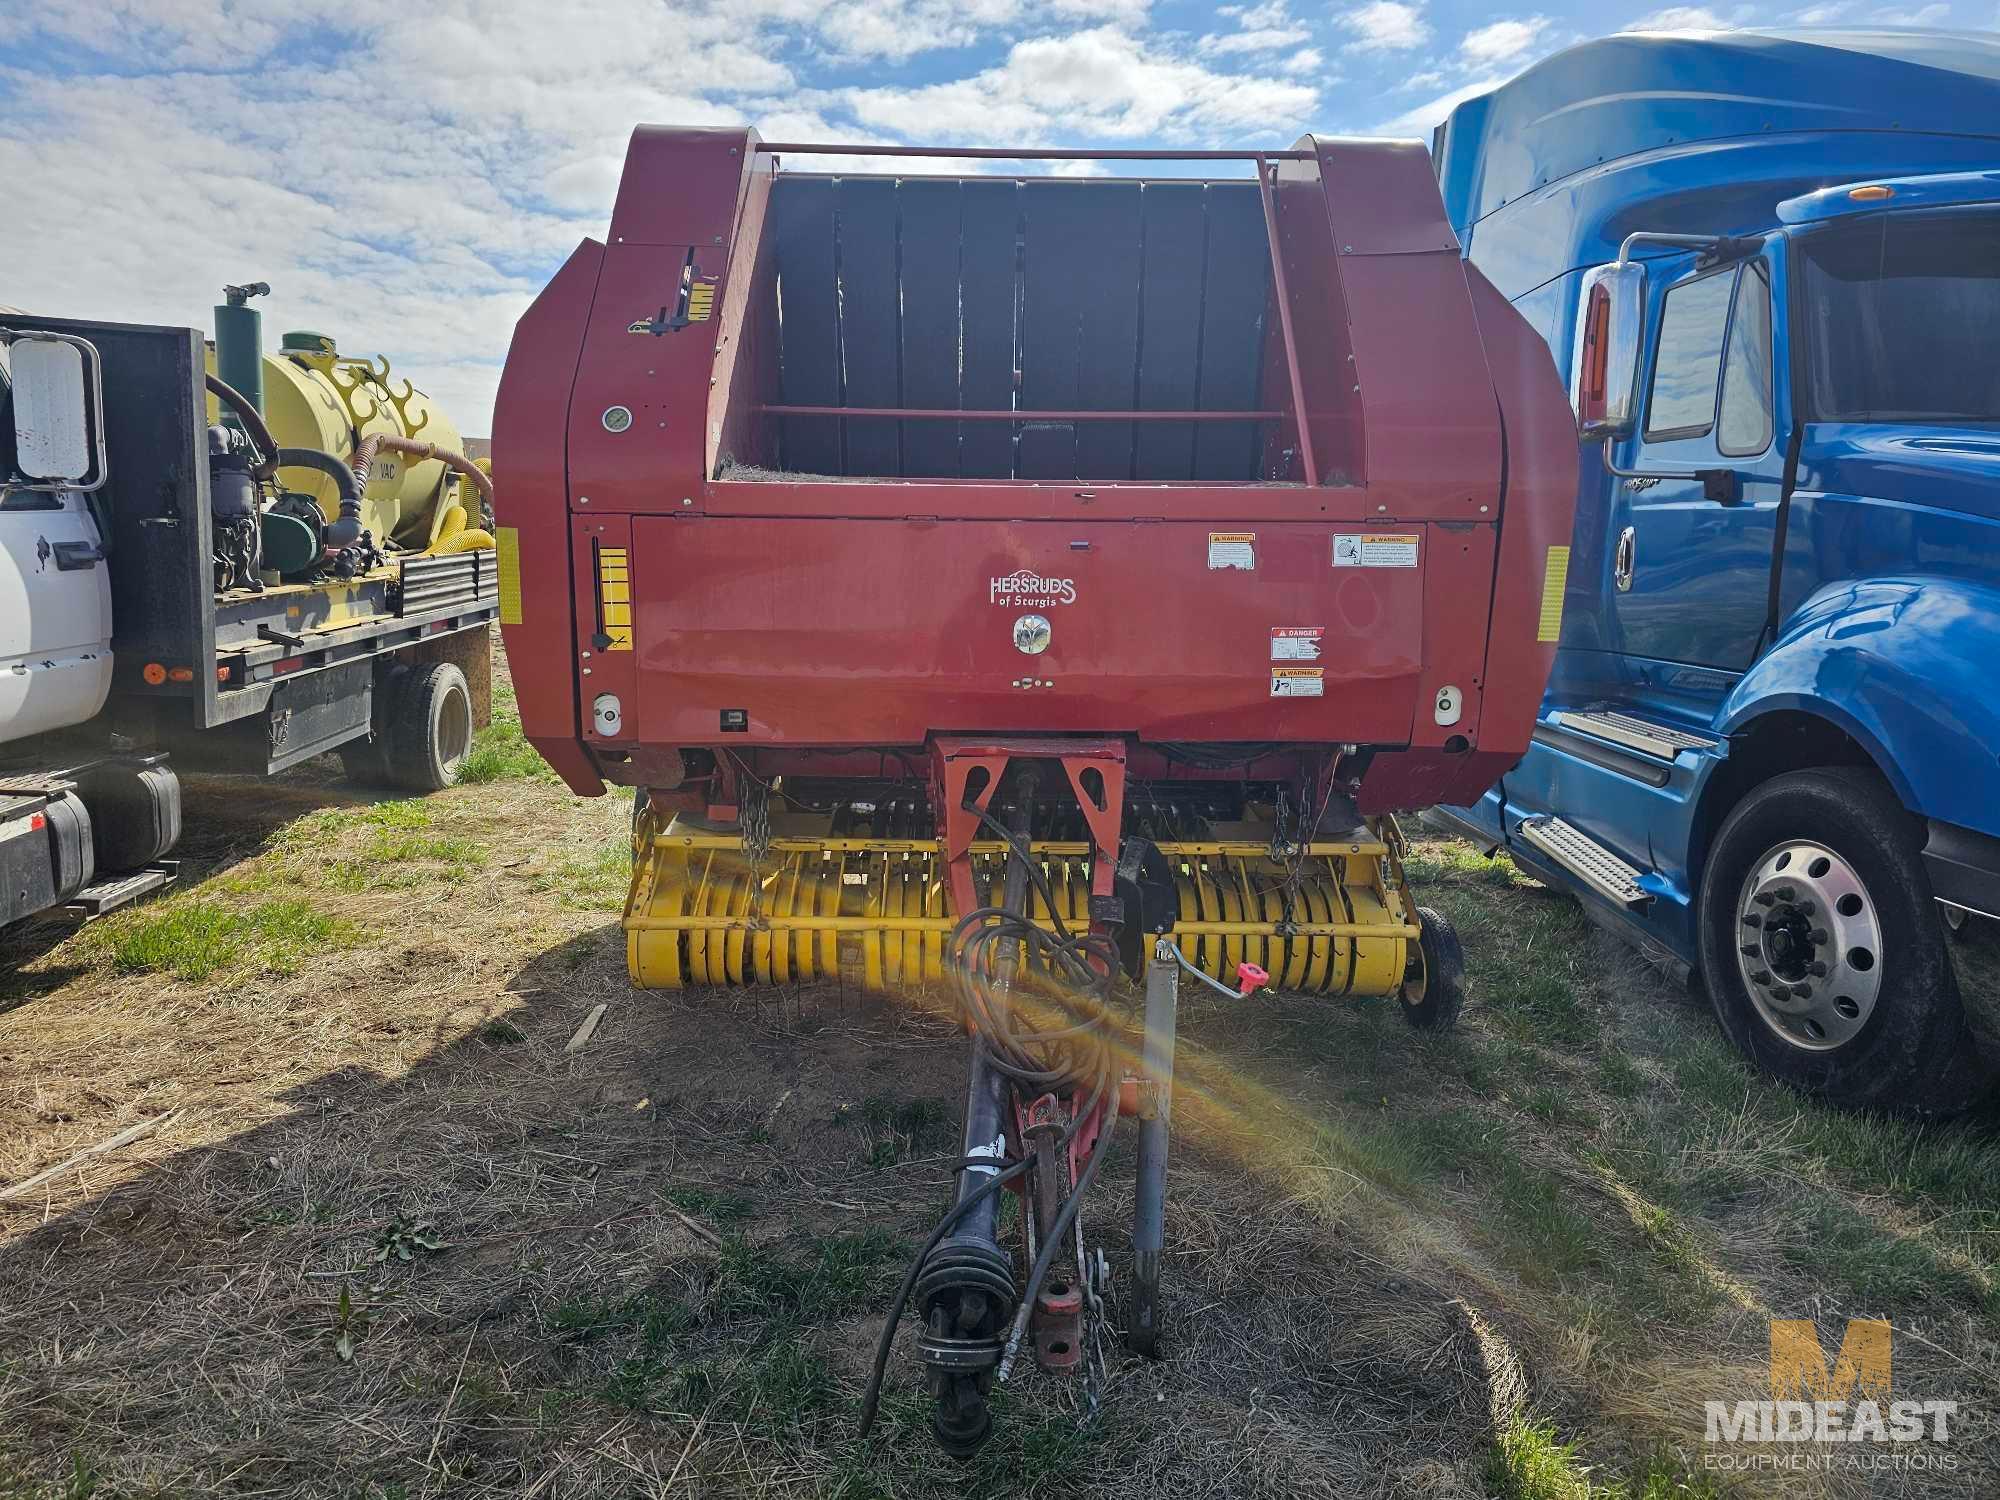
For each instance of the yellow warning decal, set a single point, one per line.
(507, 544)
(614, 598)
(701, 301)
(1555, 576)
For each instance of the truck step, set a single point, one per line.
(120, 890)
(1627, 732)
(1588, 860)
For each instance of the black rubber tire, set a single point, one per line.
(430, 728)
(1443, 990)
(1915, 1053)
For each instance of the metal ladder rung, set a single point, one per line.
(1588, 860)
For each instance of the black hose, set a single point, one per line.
(253, 423)
(873, 1398)
(347, 530)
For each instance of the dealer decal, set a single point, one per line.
(1028, 589)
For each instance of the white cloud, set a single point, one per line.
(1387, 26)
(1262, 28)
(1819, 15)
(1099, 82)
(1682, 18)
(1426, 117)
(1501, 41)
(1927, 15)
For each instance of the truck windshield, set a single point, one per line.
(1900, 312)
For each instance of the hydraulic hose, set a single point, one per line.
(253, 423)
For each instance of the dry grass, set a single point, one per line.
(397, 1242)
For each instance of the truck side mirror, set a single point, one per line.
(1604, 368)
(58, 403)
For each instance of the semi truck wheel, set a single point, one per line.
(1824, 951)
(430, 728)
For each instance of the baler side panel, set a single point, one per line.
(680, 186)
(1542, 459)
(660, 381)
(530, 452)
(1434, 442)
(1525, 588)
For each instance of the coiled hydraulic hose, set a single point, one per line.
(1080, 968)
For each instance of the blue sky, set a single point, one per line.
(407, 176)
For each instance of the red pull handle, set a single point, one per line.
(1250, 979)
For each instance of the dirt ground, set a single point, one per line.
(388, 1236)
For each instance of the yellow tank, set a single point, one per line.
(315, 397)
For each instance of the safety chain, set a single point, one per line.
(1097, 1274)
(754, 809)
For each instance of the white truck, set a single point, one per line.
(163, 592)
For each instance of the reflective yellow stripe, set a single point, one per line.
(507, 542)
(1555, 575)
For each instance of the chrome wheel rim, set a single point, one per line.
(1809, 945)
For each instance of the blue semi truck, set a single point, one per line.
(1769, 264)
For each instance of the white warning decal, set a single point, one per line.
(1375, 549)
(1233, 549)
(1298, 682)
(1296, 642)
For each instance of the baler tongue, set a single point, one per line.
(1031, 587)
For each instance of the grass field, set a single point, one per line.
(393, 1240)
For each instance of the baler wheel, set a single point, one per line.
(1433, 990)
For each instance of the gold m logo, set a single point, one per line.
(1798, 1362)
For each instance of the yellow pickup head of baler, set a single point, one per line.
(1328, 917)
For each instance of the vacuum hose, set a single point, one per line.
(377, 442)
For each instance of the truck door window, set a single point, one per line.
(1743, 427)
(1692, 320)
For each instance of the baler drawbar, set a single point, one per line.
(1035, 586)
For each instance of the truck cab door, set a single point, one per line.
(1689, 573)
